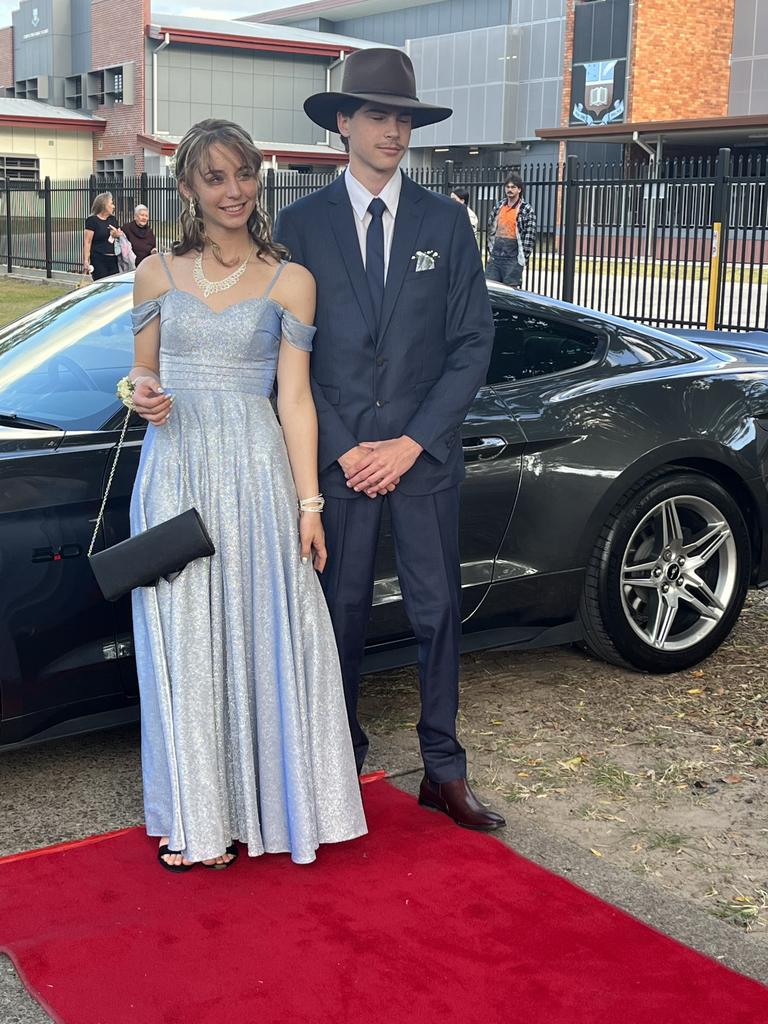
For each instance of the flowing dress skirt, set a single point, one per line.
(244, 726)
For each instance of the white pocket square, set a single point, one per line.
(425, 260)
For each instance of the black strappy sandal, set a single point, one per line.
(164, 851)
(233, 852)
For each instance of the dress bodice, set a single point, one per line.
(234, 350)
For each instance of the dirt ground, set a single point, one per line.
(664, 776)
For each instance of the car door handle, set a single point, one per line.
(483, 448)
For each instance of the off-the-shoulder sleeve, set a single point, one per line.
(144, 313)
(295, 332)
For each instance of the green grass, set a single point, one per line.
(18, 298)
(666, 841)
(613, 777)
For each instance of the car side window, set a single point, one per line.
(527, 346)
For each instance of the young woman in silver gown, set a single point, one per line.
(244, 728)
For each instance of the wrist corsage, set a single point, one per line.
(125, 389)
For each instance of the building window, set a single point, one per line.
(117, 95)
(110, 168)
(19, 170)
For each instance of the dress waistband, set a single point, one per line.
(179, 374)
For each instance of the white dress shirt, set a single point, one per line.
(360, 198)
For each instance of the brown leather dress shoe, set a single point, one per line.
(456, 799)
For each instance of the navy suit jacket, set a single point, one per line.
(419, 372)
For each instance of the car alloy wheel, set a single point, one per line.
(668, 575)
(679, 573)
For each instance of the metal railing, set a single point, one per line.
(681, 244)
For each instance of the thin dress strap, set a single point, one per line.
(167, 269)
(273, 282)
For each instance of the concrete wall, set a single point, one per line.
(542, 40)
(62, 154)
(81, 36)
(476, 74)
(262, 92)
(434, 19)
(33, 39)
(749, 65)
(500, 59)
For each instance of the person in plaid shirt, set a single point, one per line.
(511, 235)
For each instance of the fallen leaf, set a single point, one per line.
(732, 780)
(694, 691)
(698, 673)
(596, 853)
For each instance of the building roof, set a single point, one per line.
(32, 113)
(252, 35)
(709, 129)
(283, 151)
(333, 10)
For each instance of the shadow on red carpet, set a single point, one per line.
(419, 921)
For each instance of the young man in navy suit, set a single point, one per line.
(404, 336)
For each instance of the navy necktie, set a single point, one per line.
(374, 255)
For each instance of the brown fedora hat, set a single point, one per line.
(376, 75)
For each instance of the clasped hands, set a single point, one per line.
(375, 467)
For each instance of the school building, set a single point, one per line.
(529, 80)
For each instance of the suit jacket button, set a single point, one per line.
(379, 361)
(379, 403)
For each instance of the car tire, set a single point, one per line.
(668, 575)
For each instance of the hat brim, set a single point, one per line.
(322, 107)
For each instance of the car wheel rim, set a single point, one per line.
(679, 573)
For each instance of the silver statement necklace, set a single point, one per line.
(211, 287)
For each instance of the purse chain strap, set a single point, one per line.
(109, 482)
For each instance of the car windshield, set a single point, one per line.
(59, 365)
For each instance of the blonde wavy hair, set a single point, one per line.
(192, 155)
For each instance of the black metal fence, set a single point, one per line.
(681, 244)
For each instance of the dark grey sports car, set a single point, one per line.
(615, 494)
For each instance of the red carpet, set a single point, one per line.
(418, 922)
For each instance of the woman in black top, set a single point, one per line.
(101, 230)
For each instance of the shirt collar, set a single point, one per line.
(360, 197)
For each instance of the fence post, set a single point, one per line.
(448, 177)
(718, 255)
(571, 197)
(269, 194)
(144, 188)
(48, 228)
(8, 224)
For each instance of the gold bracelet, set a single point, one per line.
(315, 504)
(124, 391)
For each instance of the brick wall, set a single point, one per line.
(680, 59)
(6, 56)
(117, 37)
(565, 111)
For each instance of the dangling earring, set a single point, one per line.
(192, 207)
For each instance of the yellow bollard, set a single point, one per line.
(714, 274)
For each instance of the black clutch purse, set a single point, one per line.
(158, 553)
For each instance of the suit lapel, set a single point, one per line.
(410, 214)
(342, 220)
